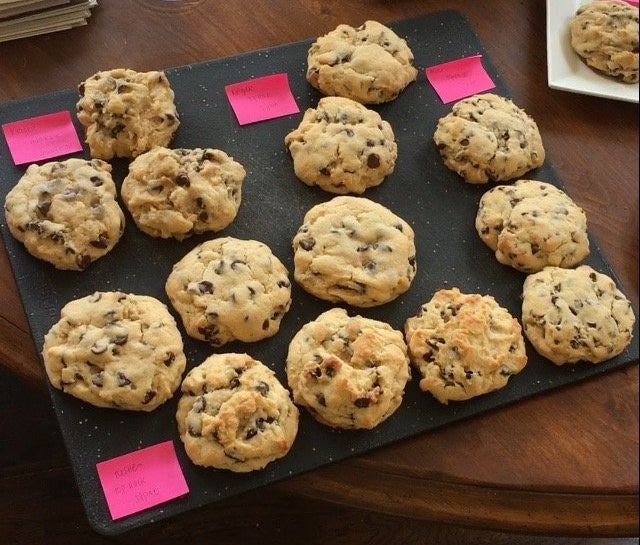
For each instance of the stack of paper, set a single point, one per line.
(23, 18)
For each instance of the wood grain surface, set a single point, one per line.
(563, 465)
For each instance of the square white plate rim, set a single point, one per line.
(565, 70)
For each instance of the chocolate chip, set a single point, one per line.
(262, 388)
(307, 244)
(362, 402)
(121, 379)
(373, 161)
(83, 261)
(101, 242)
(169, 359)
(148, 396)
(193, 432)
(205, 287)
(182, 180)
(43, 208)
(97, 379)
(120, 339)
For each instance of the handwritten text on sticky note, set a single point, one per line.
(141, 479)
(459, 79)
(41, 137)
(261, 98)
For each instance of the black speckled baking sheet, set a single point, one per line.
(439, 206)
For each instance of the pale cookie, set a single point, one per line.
(65, 212)
(342, 147)
(532, 224)
(234, 414)
(180, 192)
(487, 137)
(349, 372)
(355, 251)
(464, 345)
(605, 35)
(229, 289)
(370, 64)
(115, 350)
(126, 113)
(572, 315)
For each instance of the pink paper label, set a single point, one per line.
(459, 79)
(41, 137)
(262, 98)
(141, 479)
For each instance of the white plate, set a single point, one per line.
(565, 70)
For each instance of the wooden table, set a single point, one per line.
(560, 464)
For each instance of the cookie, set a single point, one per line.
(349, 372)
(370, 64)
(116, 350)
(572, 315)
(356, 251)
(126, 113)
(605, 35)
(234, 414)
(228, 289)
(486, 137)
(464, 345)
(342, 147)
(531, 224)
(174, 193)
(65, 212)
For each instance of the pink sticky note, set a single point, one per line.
(460, 78)
(261, 98)
(632, 2)
(41, 137)
(141, 479)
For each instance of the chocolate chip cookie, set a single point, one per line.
(487, 137)
(342, 147)
(234, 414)
(605, 35)
(126, 113)
(180, 192)
(355, 251)
(65, 212)
(464, 345)
(348, 371)
(572, 315)
(115, 350)
(229, 289)
(532, 224)
(370, 64)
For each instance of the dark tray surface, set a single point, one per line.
(439, 206)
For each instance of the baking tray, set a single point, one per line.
(440, 207)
